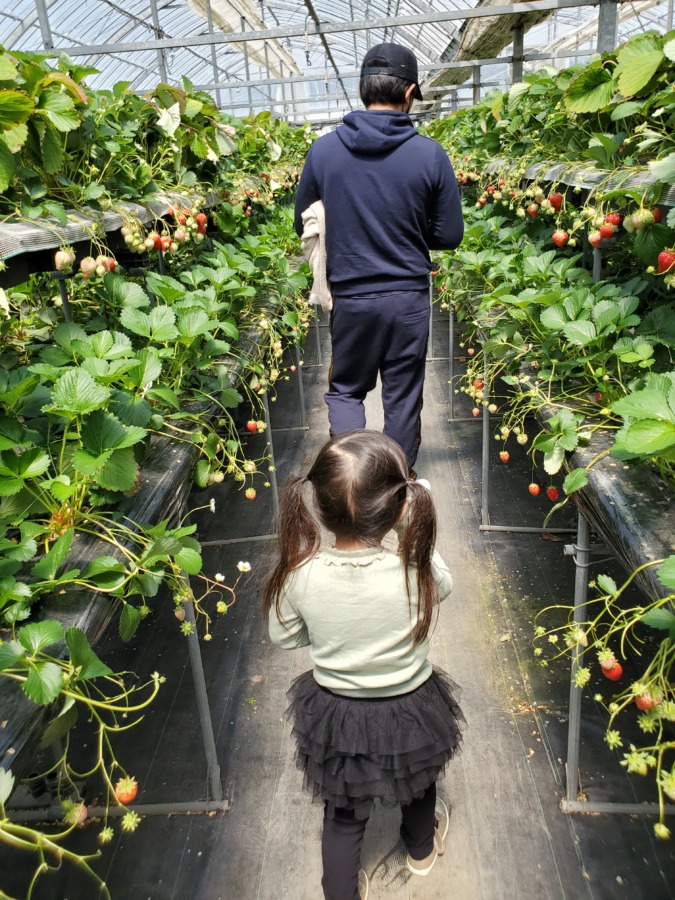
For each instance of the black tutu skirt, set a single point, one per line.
(355, 750)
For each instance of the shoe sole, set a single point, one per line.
(422, 872)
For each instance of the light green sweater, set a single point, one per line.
(351, 608)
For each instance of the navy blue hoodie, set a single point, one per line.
(390, 196)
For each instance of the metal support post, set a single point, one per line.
(608, 26)
(45, 29)
(430, 342)
(517, 58)
(203, 709)
(476, 85)
(249, 93)
(273, 463)
(214, 59)
(485, 457)
(160, 261)
(454, 105)
(317, 333)
(597, 264)
(451, 363)
(158, 31)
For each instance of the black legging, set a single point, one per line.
(343, 836)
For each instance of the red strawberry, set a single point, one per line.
(646, 701)
(491, 189)
(504, 455)
(533, 210)
(556, 201)
(598, 397)
(126, 790)
(614, 673)
(478, 384)
(475, 412)
(613, 218)
(201, 219)
(552, 493)
(594, 238)
(656, 212)
(250, 493)
(607, 231)
(665, 261)
(560, 238)
(252, 426)
(534, 489)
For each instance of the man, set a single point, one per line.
(390, 196)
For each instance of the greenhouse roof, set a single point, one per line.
(300, 58)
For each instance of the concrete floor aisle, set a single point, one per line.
(508, 839)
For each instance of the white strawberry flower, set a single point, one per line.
(212, 505)
(244, 566)
(219, 577)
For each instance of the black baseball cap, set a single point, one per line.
(399, 61)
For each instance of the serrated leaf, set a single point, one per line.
(575, 481)
(162, 323)
(59, 109)
(52, 151)
(11, 433)
(580, 332)
(165, 286)
(193, 323)
(666, 572)
(15, 108)
(88, 464)
(189, 560)
(607, 584)
(60, 726)
(8, 71)
(554, 460)
(131, 410)
(6, 785)
(7, 166)
(669, 49)
(129, 621)
(149, 368)
(623, 110)
(29, 464)
(11, 652)
(120, 471)
(638, 60)
(44, 683)
(590, 91)
(165, 395)
(230, 398)
(663, 169)
(49, 565)
(169, 119)
(648, 437)
(15, 137)
(77, 393)
(102, 431)
(124, 293)
(663, 619)
(553, 318)
(646, 404)
(38, 635)
(82, 657)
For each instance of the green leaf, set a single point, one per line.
(623, 110)
(120, 471)
(575, 481)
(50, 564)
(129, 621)
(650, 242)
(7, 166)
(77, 393)
(11, 652)
(149, 368)
(83, 657)
(122, 293)
(15, 108)
(169, 119)
(38, 635)
(61, 724)
(11, 433)
(554, 460)
(26, 465)
(163, 324)
(165, 286)
(165, 395)
(44, 683)
(231, 398)
(648, 437)
(663, 169)
(193, 323)
(6, 785)
(52, 151)
(88, 464)
(638, 60)
(591, 91)
(553, 318)
(8, 72)
(662, 619)
(131, 410)
(189, 560)
(102, 431)
(580, 332)
(669, 49)
(202, 472)
(646, 404)
(111, 345)
(666, 572)
(607, 584)
(59, 109)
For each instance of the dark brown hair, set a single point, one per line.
(360, 487)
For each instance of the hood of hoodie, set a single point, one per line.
(375, 132)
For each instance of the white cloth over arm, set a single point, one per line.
(314, 248)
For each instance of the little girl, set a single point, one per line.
(373, 719)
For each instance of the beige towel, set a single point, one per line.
(314, 248)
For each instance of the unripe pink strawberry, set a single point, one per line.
(88, 266)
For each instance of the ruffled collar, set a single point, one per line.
(333, 557)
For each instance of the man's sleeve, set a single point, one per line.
(307, 192)
(446, 225)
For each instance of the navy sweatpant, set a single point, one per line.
(385, 334)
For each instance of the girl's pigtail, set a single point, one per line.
(416, 550)
(298, 540)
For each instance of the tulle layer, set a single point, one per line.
(353, 751)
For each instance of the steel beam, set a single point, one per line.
(608, 26)
(298, 30)
(43, 19)
(517, 58)
(161, 61)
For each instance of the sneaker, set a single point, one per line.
(363, 885)
(424, 866)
